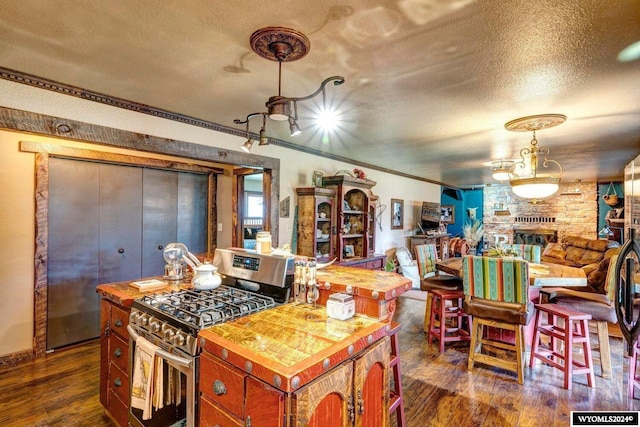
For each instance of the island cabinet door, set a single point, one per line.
(371, 386)
(326, 402)
(265, 405)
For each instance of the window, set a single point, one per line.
(254, 203)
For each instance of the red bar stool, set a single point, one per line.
(634, 377)
(396, 402)
(564, 327)
(454, 330)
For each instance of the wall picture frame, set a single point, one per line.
(448, 214)
(317, 179)
(285, 207)
(349, 251)
(397, 214)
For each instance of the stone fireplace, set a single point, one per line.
(572, 211)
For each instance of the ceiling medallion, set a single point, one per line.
(536, 122)
(535, 176)
(282, 45)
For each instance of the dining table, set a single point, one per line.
(540, 274)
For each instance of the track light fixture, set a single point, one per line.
(282, 45)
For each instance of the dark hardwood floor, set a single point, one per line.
(61, 389)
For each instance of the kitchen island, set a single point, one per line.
(316, 371)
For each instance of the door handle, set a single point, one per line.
(121, 250)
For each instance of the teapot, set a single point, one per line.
(205, 276)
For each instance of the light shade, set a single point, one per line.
(279, 108)
(500, 170)
(535, 188)
(501, 174)
(246, 147)
(293, 127)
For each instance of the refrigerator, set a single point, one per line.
(627, 270)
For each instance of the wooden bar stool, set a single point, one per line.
(456, 330)
(396, 402)
(564, 327)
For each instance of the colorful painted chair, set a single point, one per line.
(529, 253)
(431, 279)
(497, 296)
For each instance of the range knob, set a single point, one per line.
(168, 334)
(154, 326)
(180, 339)
(140, 318)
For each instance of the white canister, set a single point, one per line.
(341, 306)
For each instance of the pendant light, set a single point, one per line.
(535, 176)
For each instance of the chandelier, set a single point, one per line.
(535, 176)
(282, 45)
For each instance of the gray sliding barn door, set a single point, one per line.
(119, 251)
(74, 211)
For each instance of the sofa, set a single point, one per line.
(592, 255)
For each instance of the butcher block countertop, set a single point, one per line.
(292, 344)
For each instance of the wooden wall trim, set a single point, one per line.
(41, 124)
(14, 359)
(212, 226)
(41, 254)
(82, 153)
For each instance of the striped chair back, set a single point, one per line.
(426, 257)
(530, 253)
(496, 279)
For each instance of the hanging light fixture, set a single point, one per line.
(500, 170)
(535, 176)
(282, 45)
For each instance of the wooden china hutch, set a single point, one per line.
(338, 221)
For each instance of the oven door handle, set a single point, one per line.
(180, 361)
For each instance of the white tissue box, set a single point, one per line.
(341, 306)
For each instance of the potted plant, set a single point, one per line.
(473, 232)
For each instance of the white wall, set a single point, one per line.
(17, 186)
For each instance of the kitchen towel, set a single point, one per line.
(144, 365)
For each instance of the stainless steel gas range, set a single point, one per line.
(171, 321)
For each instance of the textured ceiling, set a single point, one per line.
(429, 83)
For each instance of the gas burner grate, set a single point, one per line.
(205, 308)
